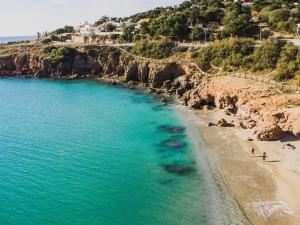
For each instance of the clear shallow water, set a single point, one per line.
(4, 40)
(81, 153)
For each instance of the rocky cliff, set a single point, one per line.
(269, 114)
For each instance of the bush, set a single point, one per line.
(106, 51)
(226, 53)
(49, 49)
(65, 29)
(153, 48)
(267, 54)
(288, 63)
(62, 54)
(265, 34)
(179, 49)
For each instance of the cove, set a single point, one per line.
(80, 152)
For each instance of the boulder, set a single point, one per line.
(268, 132)
(167, 84)
(211, 124)
(224, 123)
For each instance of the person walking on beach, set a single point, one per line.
(253, 151)
(264, 156)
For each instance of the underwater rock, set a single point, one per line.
(178, 169)
(172, 129)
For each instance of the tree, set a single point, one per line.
(128, 33)
(65, 29)
(153, 48)
(278, 15)
(174, 26)
(239, 24)
(110, 27)
(288, 63)
(144, 29)
(267, 54)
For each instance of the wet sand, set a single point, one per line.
(267, 192)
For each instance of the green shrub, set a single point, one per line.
(179, 49)
(157, 49)
(106, 51)
(267, 54)
(62, 54)
(91, 50)
(288, 63)
(49, 49)
(226, 53)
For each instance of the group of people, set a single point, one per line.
(264, 156)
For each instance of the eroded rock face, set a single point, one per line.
(7, 64)
(83, 65)
(132, 73)
(22, 63)
(170, 71)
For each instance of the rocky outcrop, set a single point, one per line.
(170, 71)
(7, 64)
(268, 132)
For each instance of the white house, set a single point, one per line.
(87, 29)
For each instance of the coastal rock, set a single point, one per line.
(131, 74)
(83, 65)
(22, 63)
(167, 84)
(170, 71)
(268, 132)
(296, 128)
(211, 124)
(64, 68)
(143, 72)
(46, 68)
(224, 123)
(7, 63)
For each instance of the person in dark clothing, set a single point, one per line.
(264, 156)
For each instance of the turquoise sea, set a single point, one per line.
(84, 153)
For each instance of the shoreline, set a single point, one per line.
(262, 195)
(223, 207)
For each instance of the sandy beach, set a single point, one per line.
(267, 191)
